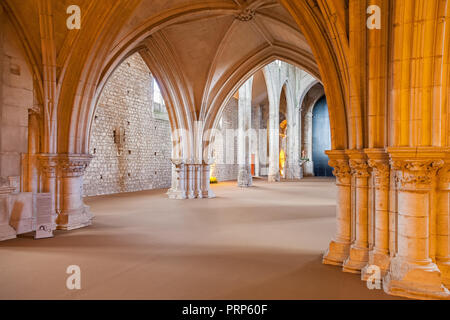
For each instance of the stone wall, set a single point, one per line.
(130, 138)
(16, 96)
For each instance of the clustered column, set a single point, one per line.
(61, 175)
(393, 206)
(191, 180)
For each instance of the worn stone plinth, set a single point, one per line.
(245, 179)
(6, 230)
(414, 280)
(356, 260)
(336, 253)
(379, 259)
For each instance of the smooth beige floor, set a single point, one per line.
(263, 242)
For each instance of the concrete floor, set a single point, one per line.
(264, 242)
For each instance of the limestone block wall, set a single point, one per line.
(130, 141)
(16, 96)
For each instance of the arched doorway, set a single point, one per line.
(321, 139)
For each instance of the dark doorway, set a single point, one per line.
(321, 139)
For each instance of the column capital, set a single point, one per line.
(360, 168)
(379, 162)
(339, 161)
(48, 164)
(208, 162)
(417, 174)
(74, 165)
(416, 166)
(358, 163)
(177, 162)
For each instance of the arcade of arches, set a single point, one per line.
(176, 94)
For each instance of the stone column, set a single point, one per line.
(198, 180)
(206, 186)
(412, 272)
(244, 127)
(191, 177)
(339, 247)
(293, 149)
(274, 143)
(179, 185)
(73, 213)
(443, 224)
(308, 166)
(379, 253)
(359, 250)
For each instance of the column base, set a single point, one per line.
(357, 260)
(444, 266)
(336, 253)
(208, 194)
(274, 177)
(190, 195)
(7, 232)
(74, 219)
(244, 178)
(176, 195)
(381, 260)
(294, 172)
(416, 281)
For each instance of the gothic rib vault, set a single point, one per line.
(387, 92)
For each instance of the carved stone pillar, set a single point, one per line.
(206, 186)
(73, 212)
(178, 189)
(379, 254)
(191, 177)
(359, 250)
(244, 136)
(412, 272)
(443, 224)
(274, 142)
(198, 180)
(338, 249)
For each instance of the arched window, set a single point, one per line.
(157, 96)
(159, 107)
